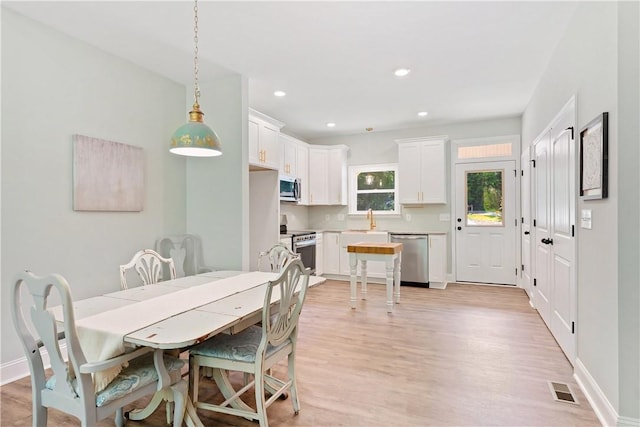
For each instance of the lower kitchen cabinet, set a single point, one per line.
(331, 252)
(437, 260)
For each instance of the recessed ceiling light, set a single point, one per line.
(423, 114)
(279, 93)
(401, 72)
(331, 125)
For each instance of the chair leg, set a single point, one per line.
(227, 390)
(261, 408)
(291, 366)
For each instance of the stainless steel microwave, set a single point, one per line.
(289, 189)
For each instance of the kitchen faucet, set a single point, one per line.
(372, 222)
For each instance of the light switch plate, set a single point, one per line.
(340, 217)
(407, 217)
(327, 217)
(585, 219)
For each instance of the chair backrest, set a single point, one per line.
(186, 251)
(149, 265)
(278, 256)
(46, 332)
(280, 321)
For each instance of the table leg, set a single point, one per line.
(353, 262)
(389, 267)
(397, 275)
(363, 277)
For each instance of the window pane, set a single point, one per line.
(484, 198)
(380, 180)
(376, 201)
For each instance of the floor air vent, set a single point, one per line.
(562, 393)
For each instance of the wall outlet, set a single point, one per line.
(340, 217)
(327, 217)
(407, 217)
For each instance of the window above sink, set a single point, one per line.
(373, 187)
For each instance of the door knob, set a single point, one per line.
(459, 228)
(459, 219)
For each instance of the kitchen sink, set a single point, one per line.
(366, 231)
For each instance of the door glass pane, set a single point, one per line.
(484, 198)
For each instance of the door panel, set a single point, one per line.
(486, 222)
(525, 206)
(542, 289)
(564, 283)
(555, 294)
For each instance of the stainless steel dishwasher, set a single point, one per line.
(415, 258)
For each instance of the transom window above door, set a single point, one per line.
(373, 187)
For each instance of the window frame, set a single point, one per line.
(355, 170)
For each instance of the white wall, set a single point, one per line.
(217, 203)
(54, 86)
(585, 63)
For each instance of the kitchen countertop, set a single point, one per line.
(384, 231)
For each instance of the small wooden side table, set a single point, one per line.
(390, 253)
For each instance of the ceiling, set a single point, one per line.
(335, 60)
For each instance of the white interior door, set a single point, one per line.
(563, 308)
(486, 222)
(554, 291)
(525, 209)
(542, 284)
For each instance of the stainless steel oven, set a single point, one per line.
(304, 243)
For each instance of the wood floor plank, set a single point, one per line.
(468, 355)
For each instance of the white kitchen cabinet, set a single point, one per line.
(328, 175)
(286, 241)
(289, 155)
(422, 170)
(264, 141)
(437, 260)
(319, 254)
(331, 252)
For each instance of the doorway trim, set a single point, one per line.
(458, 144)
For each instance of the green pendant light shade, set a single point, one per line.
(194, 138)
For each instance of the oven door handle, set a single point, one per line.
(304, 244)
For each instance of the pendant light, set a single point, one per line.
(194, 138)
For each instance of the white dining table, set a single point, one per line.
(219, 301)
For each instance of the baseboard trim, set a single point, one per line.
(605, 412)
(19, 368)
(628, 422)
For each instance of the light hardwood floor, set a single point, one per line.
(466, 356)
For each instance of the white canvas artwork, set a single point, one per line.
(107, 175)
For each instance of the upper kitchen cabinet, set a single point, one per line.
(288, 155)
(328, 174)
(264, 141)
(295, 162)
(422, 170)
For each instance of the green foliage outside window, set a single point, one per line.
(376, 190)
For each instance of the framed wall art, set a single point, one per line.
(594, 158)
(107, 175)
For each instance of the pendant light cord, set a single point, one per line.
(195, 56)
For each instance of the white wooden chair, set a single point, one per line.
(278, 256)
(255, 350)
(186, 251)
(149, 265)
(75, 394)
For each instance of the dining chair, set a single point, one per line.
(277, 256)
(256, 350)
(70, 387)
(186, 251)
(149, 265)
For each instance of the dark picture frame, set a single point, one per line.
(594, 158)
